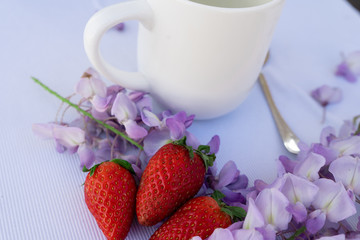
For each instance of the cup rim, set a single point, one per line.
(260, 7)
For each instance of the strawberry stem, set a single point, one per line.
(236, 213)
(203, 151)
(91, 170)
(65, 100)
(123, 163)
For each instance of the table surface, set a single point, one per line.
(41, 192)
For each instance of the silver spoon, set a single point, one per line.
(289, 138)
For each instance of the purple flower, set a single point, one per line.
(92, 88)
(335, 237)
(316, 221)
(333, 200)
(298, 189)
(309, 167)
(347, 146)
(325, 95)
(272, 204)
(229, 182)
(125, 112)
(90, 85)
(254, 218)
(86, 155)
(70, 138)
(166, 128)
(346, 170)
(349, 68)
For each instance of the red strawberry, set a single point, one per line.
(198, 217)
(110, 192)
(173, 176)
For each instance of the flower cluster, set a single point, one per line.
(312, 198)
(129, 113)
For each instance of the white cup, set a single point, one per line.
(201, 56)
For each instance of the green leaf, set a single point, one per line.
(125, 164)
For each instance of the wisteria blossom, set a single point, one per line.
(349, 68)
(71, 139)
(313, 196)
(326, 95)
(128, 112)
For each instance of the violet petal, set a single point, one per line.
(316, 221)
(214, 144)
(221, 233)
(86, 155)
(123, 108)
(133, 130)
(333, 199)
(176, 128)
(227, 174)
(299, 211)
(156, 139)
(69, 136)
(309, 167)
(272, 204)
(325, 95)
(347, 170)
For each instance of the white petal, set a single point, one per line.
(247, 234)
(123, 108)
(83, 88)
(98, 86)
(347, 170)
(272, 205)
(44, 130)
(348, 146)
(299, 189)
(333, 199)
(220, 234)
(353, 62)
(69, 136)
(253, 218)
(310, 166)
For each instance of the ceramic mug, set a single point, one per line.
(201, 56)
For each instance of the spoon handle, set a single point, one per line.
(288, 136)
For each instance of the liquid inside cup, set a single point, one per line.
(232, 3)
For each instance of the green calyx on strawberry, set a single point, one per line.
(198, 217)
(236, 213)
(110, 192)
(123, 163)
(203, 151)
(173, 175)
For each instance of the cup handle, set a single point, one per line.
(100, 23)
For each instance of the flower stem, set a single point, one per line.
(111, 128)
(297, 233)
